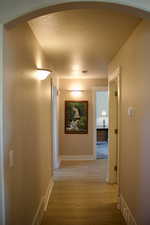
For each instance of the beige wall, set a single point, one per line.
(134, 59)
(26, 124)
(77, 144)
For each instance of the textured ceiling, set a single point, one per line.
(83, 39)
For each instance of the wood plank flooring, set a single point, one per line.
(81, 197)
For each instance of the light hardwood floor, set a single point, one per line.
(81, 197)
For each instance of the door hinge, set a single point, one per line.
(115, 168)
(116, 131)
(116, 93)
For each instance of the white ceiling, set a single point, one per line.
(83, 38)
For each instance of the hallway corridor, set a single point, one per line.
(80, 196)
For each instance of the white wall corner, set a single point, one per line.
(126, 212)
(57, 163)
(43, 205)
(110, 179)
(76, 157)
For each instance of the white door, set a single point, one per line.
(113, 132)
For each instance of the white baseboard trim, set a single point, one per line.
(43, 205)
(58, 163)
(76, 157)
(126, 212)
(39, 213)
(48, 194)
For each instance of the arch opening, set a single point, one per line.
(77, 5)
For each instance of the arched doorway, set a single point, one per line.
(54, 8)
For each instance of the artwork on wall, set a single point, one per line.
(76, 117)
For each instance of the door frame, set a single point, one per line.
(116, 76)
(54, 126)
(94, 90)
(2, 171)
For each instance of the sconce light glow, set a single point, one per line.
(42, 74)
(76, 67)
(76, 93)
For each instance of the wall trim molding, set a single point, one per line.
(102, 77)
(39, 213)
(114, 74)
(42, 207)
(48, 194)
(76, 157)
(100, 88)
(126, 212)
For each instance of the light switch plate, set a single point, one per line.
(131, 111)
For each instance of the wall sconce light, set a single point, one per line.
(76, 93)
(42, 74)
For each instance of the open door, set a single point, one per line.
(102, 124)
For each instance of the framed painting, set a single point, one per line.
(76, 117)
